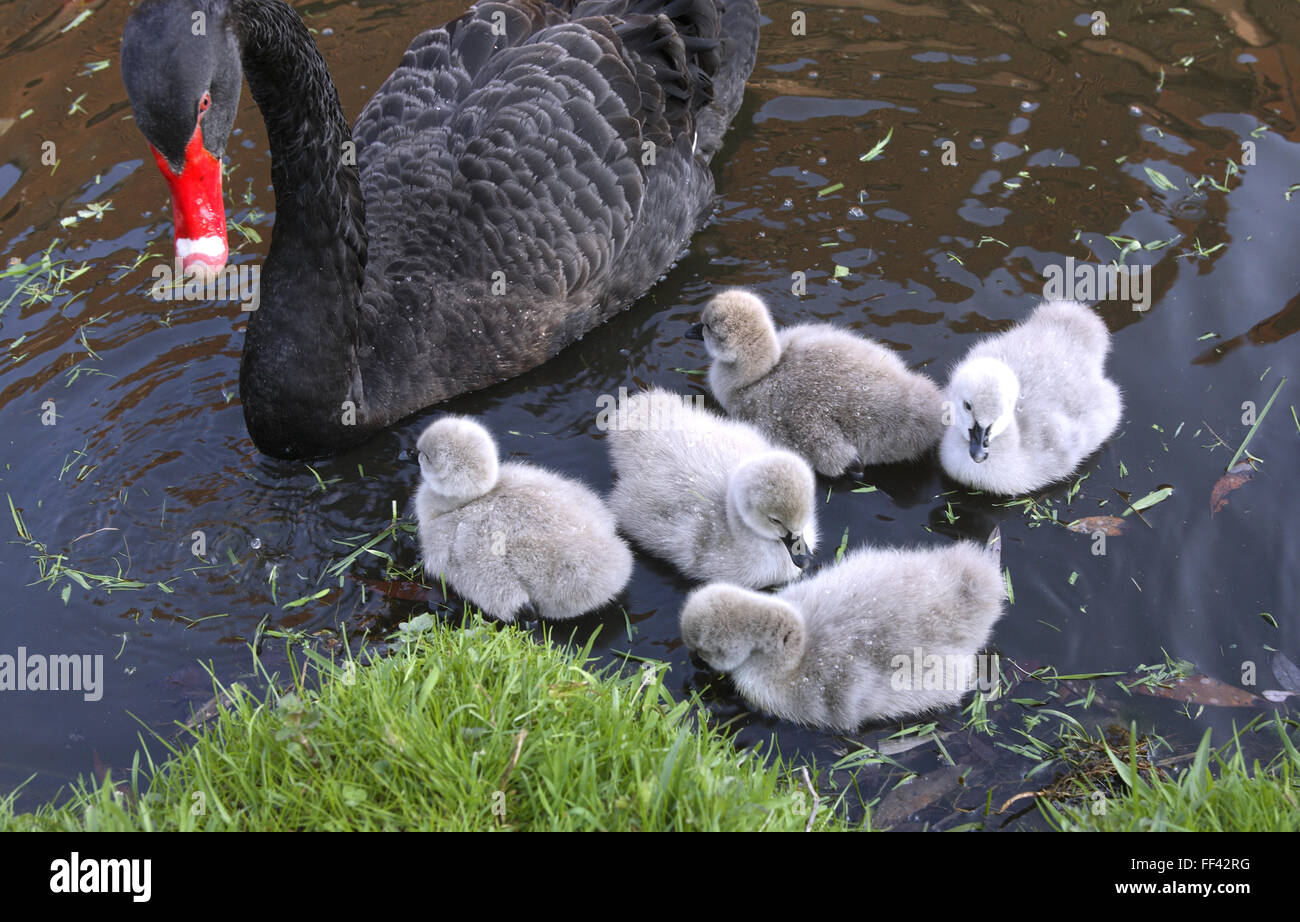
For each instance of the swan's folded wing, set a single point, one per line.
(516, 142)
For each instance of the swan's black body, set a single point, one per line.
(555, 150)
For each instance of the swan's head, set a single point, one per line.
(773, 494)
(458, 459)
(983, 393)
(736, 326)
(180, 64)
(726, 625)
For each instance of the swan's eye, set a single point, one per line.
(966, 404)
(205, 103)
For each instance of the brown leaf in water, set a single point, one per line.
(1239, 475)
(906, 799)
(1107, 524)
(1199, 689)
(396, 588)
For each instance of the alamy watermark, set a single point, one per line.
(660, 413)
(75, 874)
(55, 672)
(242, 282)
(919, 670)
(1093, 282)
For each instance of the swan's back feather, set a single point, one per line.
(518, 157)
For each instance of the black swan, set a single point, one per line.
(527, 171)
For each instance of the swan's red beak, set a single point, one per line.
(198, 212)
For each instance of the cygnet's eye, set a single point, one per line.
(966, 404)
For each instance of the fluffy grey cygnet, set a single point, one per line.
(1031, 403)
(840, 400)
(509, 536)
(709, 494)
(842, 647)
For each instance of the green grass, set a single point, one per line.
(1217, 793)
(459, 729)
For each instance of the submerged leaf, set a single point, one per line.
(1239, 475)
(916, 795)
(1201, 689)
(1106, 524)
(396, 588)
(1286, 672)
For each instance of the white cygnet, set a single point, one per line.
(710, 494)
(510, 536)
(838, 399)
(884, 633)
(1030, 404)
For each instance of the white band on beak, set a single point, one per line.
(213, 247)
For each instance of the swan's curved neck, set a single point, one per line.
(300, 382)
(313, 157)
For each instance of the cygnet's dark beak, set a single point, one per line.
(979, 443)
(799, 555)
(696, 332)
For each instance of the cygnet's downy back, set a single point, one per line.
(710, 495)
(1029, 405)
(838, 399)
(512, 537)
(884, 633)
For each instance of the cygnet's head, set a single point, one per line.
(726, 625)
(736, 326)
(773, 494)
(983, 392)
(458, 459)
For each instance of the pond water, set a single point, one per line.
(1019, 139)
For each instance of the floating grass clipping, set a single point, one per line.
(1160, 180)
(55, 567)
(1259, 419)
(878, 149)
(473, 728)
(1146, 502)
(43, 279)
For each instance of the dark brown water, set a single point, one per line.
(1053, 131)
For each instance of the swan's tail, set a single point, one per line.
(738, 50)
(701, 52)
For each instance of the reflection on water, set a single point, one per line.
(1019, 139)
